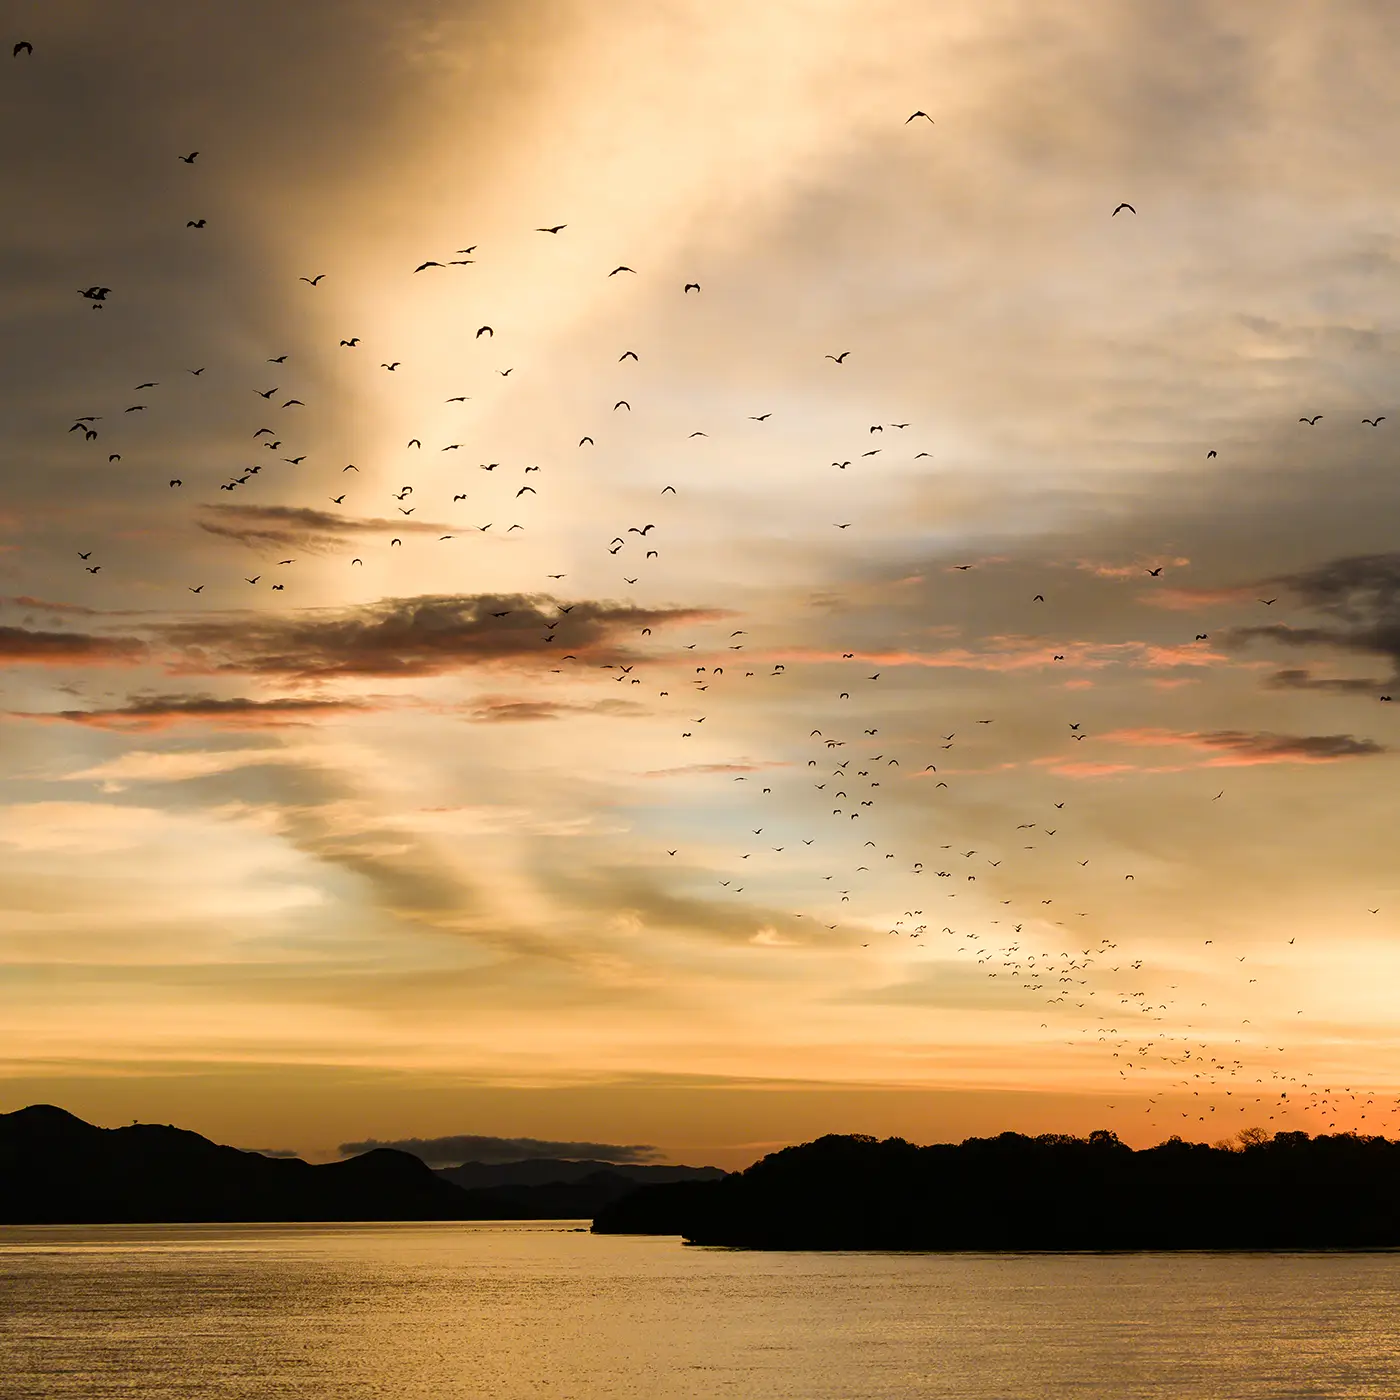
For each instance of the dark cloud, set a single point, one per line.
(467, 1147)
(299, 527)
(1301, 679)
(162, 711)
(1307, 748)
(20, 646)
(1362, 597)
(274, 1151)
(416, 636)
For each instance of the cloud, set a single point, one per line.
(1336, 685)
(1192, 599)
(1239, 748)
(19, 646)
(685, 769)
(1012, 653)
(500, 709)
(298, 527)
(1362, 595)
(163, 711)
(422, 636)
(469, 1147)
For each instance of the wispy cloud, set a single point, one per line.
(421, 636)
(1234, 748)
(301, 528)
(164, 711)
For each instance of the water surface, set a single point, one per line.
(540, 1309)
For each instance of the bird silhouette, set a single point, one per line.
(1121, 208)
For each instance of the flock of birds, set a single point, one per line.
(1163, 1058)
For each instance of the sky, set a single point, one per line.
(582, 575)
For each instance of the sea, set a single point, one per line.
(545, 1309)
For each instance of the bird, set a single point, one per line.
(1375, 422)
(391, 368)
(839, 358)
(194, 223)
(759, 417)
(421, 266)
(265, 393)
(914, 116)
(352, 342)
(692, 287)
(24, 46)
(278, 360)
(1156, 573)
(189, 159)
(1210, 454)
(1121, 208)
(556, 229)
(485, 330)
(313, 280)
(627, 355)
(200, 589)
(620, 268)
(1268, 602)
(254, 579)
(1311, 422)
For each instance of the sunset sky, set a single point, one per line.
(443, 826)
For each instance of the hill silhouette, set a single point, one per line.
(1053, 1192)
(57, 1169)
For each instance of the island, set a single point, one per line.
(1052, 1192)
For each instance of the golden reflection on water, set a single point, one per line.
(544, 1309)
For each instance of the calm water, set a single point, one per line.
(507, 1311)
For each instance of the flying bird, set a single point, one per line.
(421, 266)
(1311, 422)
(1121, 208)
(194, 223)
(692, 286)
(24, 46)
(839, 358)
(189, 159)
(391, 368)
(555, 229)
(352, 342)
(313, 280)
(485, 330)
(618, 269)
(914, 116)
(1375, 422)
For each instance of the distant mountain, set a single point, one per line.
(57, 1169)
(547, 1171)
(1046, 1193)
